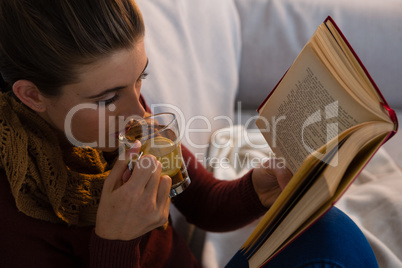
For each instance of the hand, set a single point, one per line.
(133, 204)
(269, 180)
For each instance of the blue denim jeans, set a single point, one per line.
(334, 241)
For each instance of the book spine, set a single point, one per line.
(393, 117)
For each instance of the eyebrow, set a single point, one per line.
(115, 88)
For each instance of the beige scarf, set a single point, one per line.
(48, 182)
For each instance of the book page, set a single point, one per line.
(347, 71)
(307, 109)
(348, 53)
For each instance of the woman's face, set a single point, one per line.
(93, 110)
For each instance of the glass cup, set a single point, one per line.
(159, 135)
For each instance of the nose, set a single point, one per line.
(141, 110)
(132, 106)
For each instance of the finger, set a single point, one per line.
(114, 179)
(151, 188)
(274, 167)
(280, 172)
(277, 172)
(126, 175)
(284, 178)
(142, 173)
(165, 183)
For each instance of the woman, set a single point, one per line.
(68, 68)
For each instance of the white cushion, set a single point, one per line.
(275, 31)
(194, 55)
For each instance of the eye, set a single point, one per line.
(110, 100)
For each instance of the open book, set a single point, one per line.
(325, 119)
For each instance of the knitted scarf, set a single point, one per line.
(49, 181)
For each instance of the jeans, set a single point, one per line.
(334, 241)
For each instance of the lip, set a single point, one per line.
(117, 134)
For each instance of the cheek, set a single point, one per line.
(82, 126)
(96, 128)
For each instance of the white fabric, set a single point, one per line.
(373, 202)
(241, 150)
(274, 32)
(234, 151)
(194, 56)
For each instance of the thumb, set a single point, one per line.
(284, 178)
(278, 170)
(114, 179)
(282, 173)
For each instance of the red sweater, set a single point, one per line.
(209, 203)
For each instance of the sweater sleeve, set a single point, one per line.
(217, 205)
(113, 253)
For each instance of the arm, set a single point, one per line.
(217, 205)
(113, 253)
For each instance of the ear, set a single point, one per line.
(30, 95)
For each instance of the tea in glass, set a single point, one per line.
(159, 136)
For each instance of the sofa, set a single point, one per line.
(212, 63)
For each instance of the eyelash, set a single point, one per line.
(115, 97)
(111, 100)
(142, 76)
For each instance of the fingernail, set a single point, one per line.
(136, 144)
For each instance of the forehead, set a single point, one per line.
(120, 68)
